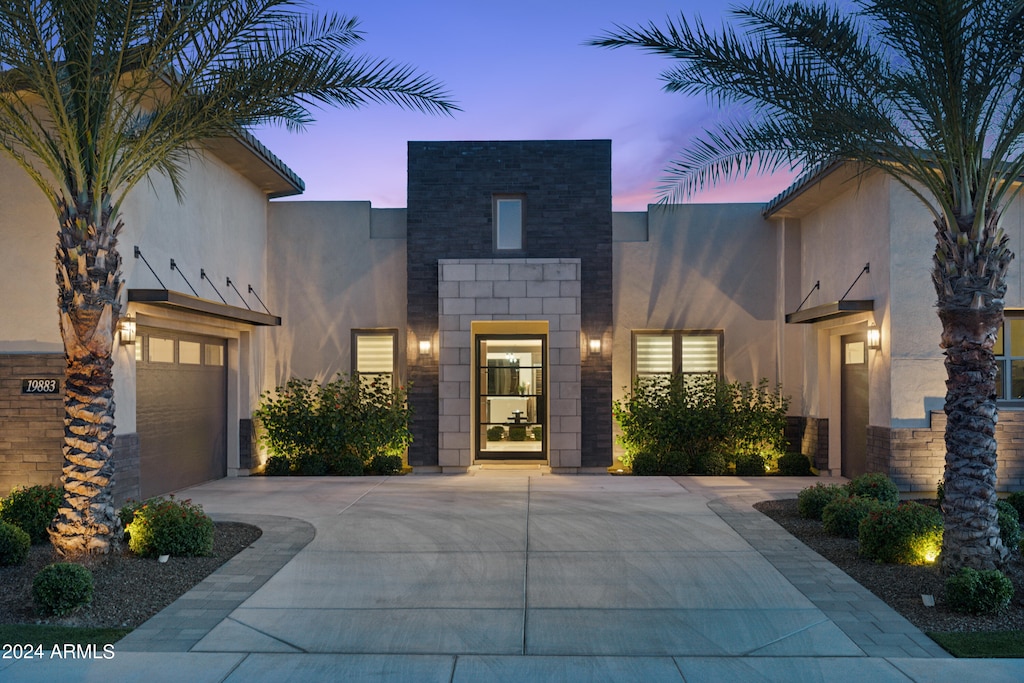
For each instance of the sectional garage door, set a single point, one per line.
(181, 409)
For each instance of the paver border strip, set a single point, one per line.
(187, 620)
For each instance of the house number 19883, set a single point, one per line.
(40, 386)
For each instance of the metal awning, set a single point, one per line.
(831, 311)
(194, 304)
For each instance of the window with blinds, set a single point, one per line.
(677, 352)
(373, 355)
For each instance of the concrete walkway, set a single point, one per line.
(518, 576)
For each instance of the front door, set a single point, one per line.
(511, 408)
(854, 404)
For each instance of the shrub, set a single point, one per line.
(751, 465)
(875, 485)
(277, 466)
(495, 433)
(813, 499)
(14, 544)
(672, 463)
(348, 465)
(709, 422)
(908, 534)
(385, 464)
(978, 592)
(127, 512)
(314, 426)
(940, 491)
(1009, 524)
(842, 516)
(517, 433)
(169, 527)
(1016, 499)
(537, 432)
(32, 509)
(795, 465)
(59, 589)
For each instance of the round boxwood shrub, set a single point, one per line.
(908, 534)
(978, 592)
(277, 466)
(384, 464)
(32, 508)
(170, 527)
(14, 545)
(813, 499)
(795, 465)
(1009, 525)
(59, 589)
(875, 485)
(495, 433)
(1016, 499)
(647, 464)
(751, 465)
(842, 517)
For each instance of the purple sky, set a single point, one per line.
(519, 71)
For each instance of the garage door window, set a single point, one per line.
(161, 350)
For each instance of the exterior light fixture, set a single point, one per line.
(424, 347)
(126, 329)
(874, 337)
(595, 345)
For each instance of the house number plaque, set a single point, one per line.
(40, 386)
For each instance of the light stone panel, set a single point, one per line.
(509, 289)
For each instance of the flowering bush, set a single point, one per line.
(842, 517)
(319, 429)
(32, 509)
(169, 527)
(875, 485)
(908, 534)
(811, 501)
(59, 589)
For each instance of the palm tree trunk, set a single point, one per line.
(88, 284)
(970, 279)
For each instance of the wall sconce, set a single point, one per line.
(126, 329)
(424, 347)
(595, 345)
(874, 337)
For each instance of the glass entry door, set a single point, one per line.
(511, 408)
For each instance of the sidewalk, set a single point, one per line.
(519, 576)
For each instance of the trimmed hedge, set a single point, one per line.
(795, 465)
(978, 592)
(908, 534)
(168, 527)
(842, 517)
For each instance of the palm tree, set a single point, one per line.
(97, 94)
(929, 92)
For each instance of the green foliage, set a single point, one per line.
(842, 516)
(940, 491)
(1009, 524)
(978, 592)
(277, 466)
(910, 533)
(384, 464)
(495, 433)
(61, 588)
(319, 429)
(751, 465)
(169, 527)
(14, 544)
(698, 424)
(32, 509)
(812, 500)
(537, 432)
(517, 433)
(795, 465)
(1016, 499)
(875, 485)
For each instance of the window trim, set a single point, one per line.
(495, 200)
(375, 331)
(677, 355)
(1005, 363)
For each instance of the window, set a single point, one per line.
(508, 223)
(373, 355)
(1009, 353)
(677, 352)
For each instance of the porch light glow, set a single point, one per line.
(595, 345)
(424, 347)
(874, 337)
(126, 329)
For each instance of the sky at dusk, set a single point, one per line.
(519, 71)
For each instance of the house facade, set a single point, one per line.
(511, 300)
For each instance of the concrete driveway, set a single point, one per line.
(519, 576)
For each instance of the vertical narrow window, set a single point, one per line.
(1009, 353)
(373, 355)
(677, 352)
(508, 223)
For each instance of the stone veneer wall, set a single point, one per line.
(567, 215)
(809, 435)
(510, 289)
(32, 433)
(915, 458)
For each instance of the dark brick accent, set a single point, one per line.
(246, 444)
(809, 435)
(567, 185)
(126, 468)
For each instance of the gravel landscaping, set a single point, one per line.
(900, 586)
(128, 589)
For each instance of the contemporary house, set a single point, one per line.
(512, 299)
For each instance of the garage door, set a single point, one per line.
(181, 409)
